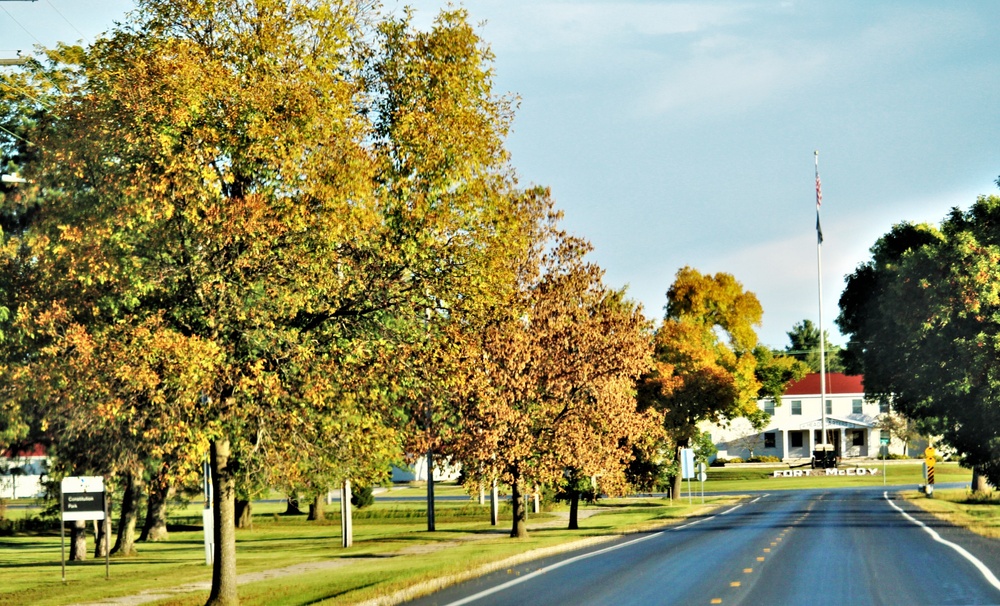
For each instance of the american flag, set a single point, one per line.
(819, 202)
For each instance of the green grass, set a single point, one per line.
(392, 548)
(727, 479)
(978, 513)
(373, 567)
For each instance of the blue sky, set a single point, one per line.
(682, 133)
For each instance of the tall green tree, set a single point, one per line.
(279, 190)
(804, 346)
(922, 316)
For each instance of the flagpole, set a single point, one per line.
(819, 273)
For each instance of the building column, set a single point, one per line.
(784, 444)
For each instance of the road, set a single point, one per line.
(849, 546)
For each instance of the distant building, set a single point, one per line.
(444, 471)
(23, 472)
(852, 423)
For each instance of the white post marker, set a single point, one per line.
(702, 476)
(207, 519)
(687, 467)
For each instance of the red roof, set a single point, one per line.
(35, 450)
(835, 383)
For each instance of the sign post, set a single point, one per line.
(885, 455)
(207, 519)
(82, 498)
(929, 460)
(702, 476)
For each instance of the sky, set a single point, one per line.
(680, 134)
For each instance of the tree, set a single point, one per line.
(804, 346)
(922, 320)
(244, 188)
(550, 396)
(708, 364)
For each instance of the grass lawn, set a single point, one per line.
(727, 479)
(978, 513)
(392, 550)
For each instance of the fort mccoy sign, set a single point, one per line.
(851, 471)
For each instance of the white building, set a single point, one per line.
(22, 473)
(795, 426)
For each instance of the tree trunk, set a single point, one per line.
(518, 529)
(292, 506)
(677, 482)
(430, 492)
(102, 532)
(78, 541)
(155, 527)
(574, 509)
(494, 503)
(979, 483)
(243, 513)
(125, 542)
(317, 510)
(224, 518)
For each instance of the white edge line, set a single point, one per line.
(731, 510)
(986, 572)
(540, 571)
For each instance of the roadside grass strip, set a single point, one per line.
(982, 568)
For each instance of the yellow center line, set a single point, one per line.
(734, 584)
(716, 600)
(760, 558)
(747, 570)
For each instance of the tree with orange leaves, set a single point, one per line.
(708, 363)
(551, 392)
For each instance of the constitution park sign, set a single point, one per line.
(82, 498)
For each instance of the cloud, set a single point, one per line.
(738, 79)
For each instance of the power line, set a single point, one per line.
(18, 22)
(82, 35)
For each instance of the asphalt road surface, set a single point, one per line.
(843, 547)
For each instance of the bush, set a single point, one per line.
(764, 459)
(9, 527)
(363, 497)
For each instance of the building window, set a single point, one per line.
(883, 407)
(796, 407)
(769, 407)
(856, 406)
(858, 439)
(769, 440)
(829, 407)
(796, 439)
